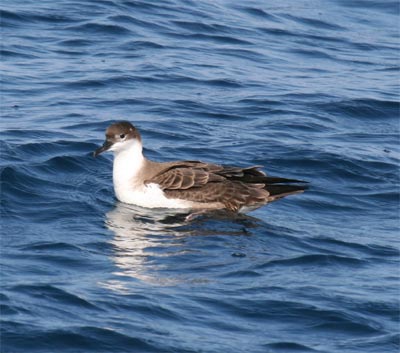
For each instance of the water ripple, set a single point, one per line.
(308, 91)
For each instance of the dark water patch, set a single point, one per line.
(18, 184)
(15, 54)
(388, 7)
(144, 309)
(313, 54)
(141, 45)
(63, 262)
(52, 293)
(31, 134)
(363, 108)
(50, 247)
(73, 43)
(316, 23)
(143, 5)
(100, 247)
(85, 338)
(200, 27)
(129, 80)
(223, 83)
(9, 310)
(209, 38)
(260, 13)
(310, 316)
(128, 102)
(377, 308)
(78, 125)
(65, 164)
(244, 274)
(43, 150)
(124, 19)
(141, 23)
(369, 249)
(52, 18)
(4, 297)
(251, 55)
(70, 52)
(340, 167)
(288, 347)
(85, 83)
(316, 259)
(389, 69)
(10, 15)
(386, 342)
(179, 79)
(10, 178)
(219, 116)
(276, 31)
(97, 28)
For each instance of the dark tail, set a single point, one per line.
(276, 186)
(278, 191)
(277, 180)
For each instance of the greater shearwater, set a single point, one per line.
(187, 184)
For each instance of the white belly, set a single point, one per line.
(150, 196)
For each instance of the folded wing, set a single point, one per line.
(233, 187)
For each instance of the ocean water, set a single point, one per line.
(309, 89)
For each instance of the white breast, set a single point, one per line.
(150, 196)
(129, 188)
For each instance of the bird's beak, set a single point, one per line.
(106, 146)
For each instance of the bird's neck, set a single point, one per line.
(127, 165)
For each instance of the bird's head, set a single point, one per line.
(119, 136)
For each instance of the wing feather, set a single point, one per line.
(233, 187)
(184, 177)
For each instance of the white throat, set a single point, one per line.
(128, 162)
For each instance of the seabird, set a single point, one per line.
(187, 184)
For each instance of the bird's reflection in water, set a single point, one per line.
(143, 238)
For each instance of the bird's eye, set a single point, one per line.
(122, 136)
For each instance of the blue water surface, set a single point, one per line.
(309, 89)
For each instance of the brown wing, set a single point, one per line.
(233, 195)
(181, 178)
(232, 187)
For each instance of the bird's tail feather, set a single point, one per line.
(278, 191)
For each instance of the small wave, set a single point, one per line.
(10, 15)
(387, 7)
(369, 249)
(203, 27)
(314, 53)
(81, 338)
(342, 324)
(316, 23)
(16, 54)
(73, 43)
(259, 13)
(250, 55)
(363, 108)
(53, 293)
(315, 259)
(277, 32)
(32, 134)
(64, 164)
(141, 44)
(376, 343)
(129, 80)
(224, 39)
(288, 347)
(50, 247)
(97, 28)
(241, 273)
